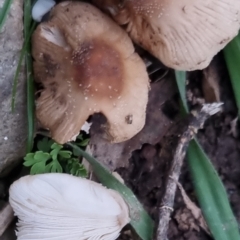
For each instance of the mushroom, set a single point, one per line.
(183, 34)
(87, 64)
(61, 206)
(40, 8)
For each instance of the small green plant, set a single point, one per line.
(52, 157)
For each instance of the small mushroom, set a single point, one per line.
(40, 8)
(183, 34)
(87, 64)
(61, 206)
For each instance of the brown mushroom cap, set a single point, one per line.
(183, 34)
(87, 64)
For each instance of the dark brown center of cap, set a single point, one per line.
(98, 69)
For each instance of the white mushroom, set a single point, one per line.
(40, 8)
(61, 206)
(183, 34)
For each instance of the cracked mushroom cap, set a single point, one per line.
(87, 64)
(183, 34)
(61, 206)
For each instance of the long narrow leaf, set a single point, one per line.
(30, 82)
(140, 220)
(27, 19)
(181, 83)
(4, 12)
(211, 195)
(232, 58)
(22, 55)
(210, 191)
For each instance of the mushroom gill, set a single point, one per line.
(183, 34)
(61, 206)
(87, 64)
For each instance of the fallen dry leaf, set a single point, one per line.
(195, 210)
(186, 221)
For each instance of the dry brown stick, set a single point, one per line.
(6, 217)
(166, 207)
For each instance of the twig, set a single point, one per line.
(166, 207)
(6, 217)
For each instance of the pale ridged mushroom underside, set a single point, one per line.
(183, 34)
(61, 206)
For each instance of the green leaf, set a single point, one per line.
(140, 220)
(56, 148)
(54, 154)
(45, 144)
(29, 26)
(58, 167)
(212, 195)
(84, 143)
(65, 154)
(22, 55)
(29, 162)
(54, 167)
(232, 58)
(48, 167)
(81, 172)
(37, 157)
(29, 157)
(181, 83)
(41, 156)
(76, 153)
(75, 168)
(38, 168)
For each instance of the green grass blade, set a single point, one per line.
(30, 102)
(4, 12)
(140, 220)
(210, 191)
(29, 27)
(27, 19)
(29, 68)
(211, 195)
(181, 83)
(22, 55)
(232, 58)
